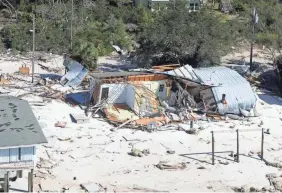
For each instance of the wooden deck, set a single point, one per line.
(17, 166)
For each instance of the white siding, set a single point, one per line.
(4, 155)
(27, 153)
(14, 154)
(154, 86)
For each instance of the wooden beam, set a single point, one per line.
(163, 68)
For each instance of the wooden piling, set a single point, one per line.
(30, 181)
(6, 182)
(238, 160)
(28, 178)
(212, 147)
(19, 174)
(262, 142)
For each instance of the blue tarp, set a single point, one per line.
(81, 98)
(75, 73)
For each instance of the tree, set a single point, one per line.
(269, 29)
(199, 39)
(95, 28)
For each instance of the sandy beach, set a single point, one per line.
(94, 155)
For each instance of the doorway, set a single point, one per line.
(105, 93)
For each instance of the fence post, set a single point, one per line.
(262, 142)
(238, 160)
(212, 147)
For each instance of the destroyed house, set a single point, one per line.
(147, 96)
(118, 93)
(216, 89)
(19, 134)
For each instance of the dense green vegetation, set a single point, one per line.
(169, 35)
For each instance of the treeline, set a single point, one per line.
(169, 35)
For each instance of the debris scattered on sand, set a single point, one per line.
(273, 164)
(170, 152)
(138, 153)
(60, 124)
(223, 162)
(275, 181)
(91, 187)
(138, 188)
(165, 165)
(66, 139)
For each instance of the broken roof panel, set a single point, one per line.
(238, 91)
(186, 72)
(18, 125)
(216, 76)
(75, 75)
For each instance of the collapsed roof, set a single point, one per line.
(223, 81)
(214, 84)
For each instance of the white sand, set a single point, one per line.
(95, 154)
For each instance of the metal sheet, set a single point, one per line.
(27, 153)
(4, 155)
(186, 72)
(14, 154)
(237, 89)
(75, 75)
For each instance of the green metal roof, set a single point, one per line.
(18, 125)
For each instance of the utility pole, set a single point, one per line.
(71, 23)
(254, 22)
(33, 44)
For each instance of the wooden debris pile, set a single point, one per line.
(44, 167)
(275, 181)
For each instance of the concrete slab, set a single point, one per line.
(80, 118)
